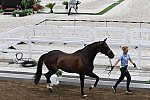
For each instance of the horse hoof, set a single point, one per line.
(91, 87)
(85, 96)
(65, 43)
(51, 90)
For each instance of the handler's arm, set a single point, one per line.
(132, 62)
(116, 62)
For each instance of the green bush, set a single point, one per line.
(51, 6)
(37, 1)
(22, 12)
(59, 73)
(148, 82)
(66, 4)
(27, 3)
(30, 11)
(1, 11)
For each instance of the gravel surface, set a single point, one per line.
(16, 90)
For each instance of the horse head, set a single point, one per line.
(105, 49)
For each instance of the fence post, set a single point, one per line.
(140, 28)
(106, 24)
(34, 27)
(29, 48)
(74, 22)
(45, 22)
(139, 56)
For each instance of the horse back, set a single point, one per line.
(52, 57)
(70, 63)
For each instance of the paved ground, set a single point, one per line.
(139, 77)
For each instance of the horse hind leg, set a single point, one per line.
(48, 75)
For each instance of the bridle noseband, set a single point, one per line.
(109, 52)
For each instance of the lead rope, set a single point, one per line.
(112, 67)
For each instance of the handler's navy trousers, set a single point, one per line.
(124, 73)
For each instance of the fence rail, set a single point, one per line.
(140, 23)
(47, 33)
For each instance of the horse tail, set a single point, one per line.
(39, 70)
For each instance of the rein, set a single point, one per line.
(111, 66)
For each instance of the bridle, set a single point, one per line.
(109, 53)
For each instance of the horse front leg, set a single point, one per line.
(82, 85)
(97, 79)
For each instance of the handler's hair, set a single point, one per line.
(124, 48)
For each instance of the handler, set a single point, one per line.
(73, 4)
(124, 58)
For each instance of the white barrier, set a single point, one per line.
(18, 32)
(58, 2)
(78, 35)
(140, 38)
(116, 36)
(48, 33)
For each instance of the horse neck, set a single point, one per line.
(90, 52)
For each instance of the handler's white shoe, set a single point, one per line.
(129, 91)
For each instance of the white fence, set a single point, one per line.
(58, 2)
(116, 36)
(81, 35)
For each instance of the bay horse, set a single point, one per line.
(80, 62)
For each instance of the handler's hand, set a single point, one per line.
(134, 65)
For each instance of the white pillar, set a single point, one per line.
(29, 48)
(139, 56)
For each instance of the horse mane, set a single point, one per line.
(94, 43)
(88, 46)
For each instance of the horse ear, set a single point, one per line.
(105, 40)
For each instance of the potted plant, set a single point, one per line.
(30, 11)
(36, 7)
(26, 12)
(66, 5)
(16, 13)
(148, 82)
(50, 6)
(20, 13)
(37, 1)
(54, 78)
(1, 11)
(26, 3)
(59, 73)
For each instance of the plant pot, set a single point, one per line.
(66, 7)
(66, 10)
(39, 10)
(54, 79)
(17, 15)
(35, 12)
(51, 11)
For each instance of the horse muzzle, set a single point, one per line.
(110, 54)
